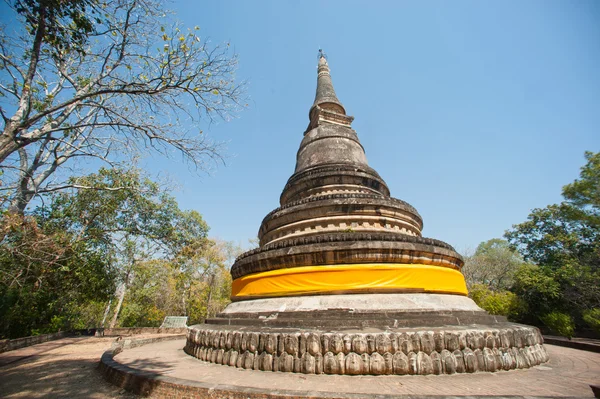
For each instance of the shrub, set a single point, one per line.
(560, 323)
(592, 318)
(503, 303)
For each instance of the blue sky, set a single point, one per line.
(474, 112)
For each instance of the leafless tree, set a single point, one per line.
(133, 83)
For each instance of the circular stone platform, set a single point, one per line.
(164, 370)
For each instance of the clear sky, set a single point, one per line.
(474, 112)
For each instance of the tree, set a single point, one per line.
(106, 80)
(563, 241)
(566, 232)
(130, 218)
(45, 276)
(493, 264)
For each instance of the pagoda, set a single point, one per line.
(343, 281)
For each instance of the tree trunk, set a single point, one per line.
(106, 313)
(210, 289)
(113, 322)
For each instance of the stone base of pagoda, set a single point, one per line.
(365, 334)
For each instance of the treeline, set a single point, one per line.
(113, 250)
(546, 271)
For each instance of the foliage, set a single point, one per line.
(560, 323)
(44, 275)
(59, 267)
(504, 303)
(105, 80)
(563, 241)
(568, 232)
(592, 318)
(494, 263)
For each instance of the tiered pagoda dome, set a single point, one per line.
(336, 210)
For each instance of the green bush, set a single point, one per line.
(560, 323)
(503, 303)
(592, 318)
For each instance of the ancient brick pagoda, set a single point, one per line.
(344, 283)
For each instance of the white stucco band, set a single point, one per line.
(358, 303)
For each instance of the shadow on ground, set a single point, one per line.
(45, 377)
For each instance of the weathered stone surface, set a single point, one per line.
(489, 359)
(506, 359)
(253, 342)
(341, 361)
(490, 341)
(336, 344)
(271, 343)
(249, 360)
(451, 341)
(302, 352)
(462, 340)
(262, 337)
(359, 344)
(424, 364)
(438, 339)
(330, 364)
(286, 362)
(308, 363)
(405, 343)
(237, 341)
(400, 363)
(313, 344)
(394, 342)
(290, 343)
(448, 361)
(416, 342)
(354, 364)
(244, 342)
(301, 344)
(318, 363)
(427, 342)
(377, 364)
(383, 343)
(233, 357)
(240, 360)
(524, 358)
(219, 358)
(436, 363)
(412, 363)
(371, 347)
(347, 338)
(366, 363)
(297, 364)
(229, 341)
(470, 360)
(267, 362)
(256, 361)
(388, 359)
(460, 362)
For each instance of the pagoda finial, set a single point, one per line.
(325, 96)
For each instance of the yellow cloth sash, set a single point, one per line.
(358, 278)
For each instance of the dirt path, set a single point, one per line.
(64, 368)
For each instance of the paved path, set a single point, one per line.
(569, 373)
(36, 350)
(65, 368)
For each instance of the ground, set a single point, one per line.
(67, 368)
(59, 369)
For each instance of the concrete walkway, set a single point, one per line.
(36, 350)
(568, 374)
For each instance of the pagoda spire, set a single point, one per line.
(326, 107)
